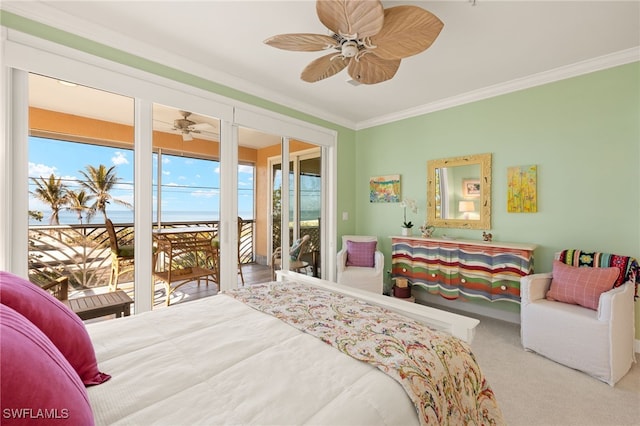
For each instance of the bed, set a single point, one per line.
(295, 351)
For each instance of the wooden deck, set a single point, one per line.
(253, 274)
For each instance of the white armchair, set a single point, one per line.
(597, 342)
(348, 262)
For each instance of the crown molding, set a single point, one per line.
(580, 68)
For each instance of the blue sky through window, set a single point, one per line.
(190, 186)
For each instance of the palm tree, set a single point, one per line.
(77, 202)
(52, 192)
(34, 214)
(99, 182)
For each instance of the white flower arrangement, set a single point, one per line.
(408, 203)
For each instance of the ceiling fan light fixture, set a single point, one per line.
(349, 49)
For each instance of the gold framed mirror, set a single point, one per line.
(459, 192)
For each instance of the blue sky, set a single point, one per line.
(188, 184)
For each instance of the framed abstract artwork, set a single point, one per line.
(384, 189)
(522, 196)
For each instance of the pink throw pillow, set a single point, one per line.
(38, 384)
(361, 253)
(61, 325)
(580, 285)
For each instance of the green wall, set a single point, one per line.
(583, 134)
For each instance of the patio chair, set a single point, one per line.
(122, 257)
(296, 252)
(59, 288)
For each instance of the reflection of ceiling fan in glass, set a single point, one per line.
(186, 127)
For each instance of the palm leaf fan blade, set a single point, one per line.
(301, 42)
(370, 69)
(407, 31)
(324, 67)
(351, 17)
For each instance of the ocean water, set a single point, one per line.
(126, 216)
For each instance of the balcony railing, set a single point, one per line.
(82, 252)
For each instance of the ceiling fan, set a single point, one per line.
(369, 39)
(186, 127)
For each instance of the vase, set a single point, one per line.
(406, 232)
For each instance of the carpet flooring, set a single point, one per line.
(533, 390)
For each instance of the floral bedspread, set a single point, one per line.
(439, 372)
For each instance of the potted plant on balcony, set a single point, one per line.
(408, 203)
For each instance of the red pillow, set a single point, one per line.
(61, 325)
(361, 253)
(580, 285)
(38, 384)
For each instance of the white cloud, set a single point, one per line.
(41, 170)
(119, 158)
(166, 172)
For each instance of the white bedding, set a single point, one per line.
(189, 364)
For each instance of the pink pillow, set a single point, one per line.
(361, 253)
(580, 285)
(38, 384)
(61, 325)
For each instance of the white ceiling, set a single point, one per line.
(486, 48)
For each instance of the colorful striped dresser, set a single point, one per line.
(463, 269)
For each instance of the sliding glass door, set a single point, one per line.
(305, 201)
(81, 174)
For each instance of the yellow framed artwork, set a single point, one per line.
(522, 194)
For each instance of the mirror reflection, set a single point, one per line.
(459, 192)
